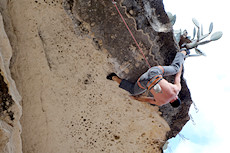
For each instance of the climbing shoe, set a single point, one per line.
(110, 76)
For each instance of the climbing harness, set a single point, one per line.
(115, 4)
(153, 83)
(155, 80)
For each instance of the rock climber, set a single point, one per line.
(161, 91)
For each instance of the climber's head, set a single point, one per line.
(176, 103)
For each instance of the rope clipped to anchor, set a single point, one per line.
(115, 4)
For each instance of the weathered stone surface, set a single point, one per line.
(150, 26)
(60, 63)
(68, 104)
(10, 109)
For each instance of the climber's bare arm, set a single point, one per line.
(177, 79)
(150, 100)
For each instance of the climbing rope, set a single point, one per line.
(115, 4)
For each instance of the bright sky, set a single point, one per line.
(207, 77)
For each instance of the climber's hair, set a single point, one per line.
(176, 103)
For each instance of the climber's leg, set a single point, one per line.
(128, 86)
(175, 66)
(124, 84)
(165, 70)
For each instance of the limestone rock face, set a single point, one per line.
(151, 28)
(10, 108)
(62, 52)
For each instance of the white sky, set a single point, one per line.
(207, 77)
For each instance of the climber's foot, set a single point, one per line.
(186, 50)
(110, 76)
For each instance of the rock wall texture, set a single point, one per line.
(62, 52)
(153, 31)
(10, 109)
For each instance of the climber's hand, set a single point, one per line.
(186, 50)
(135, 97)
(150, 100)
